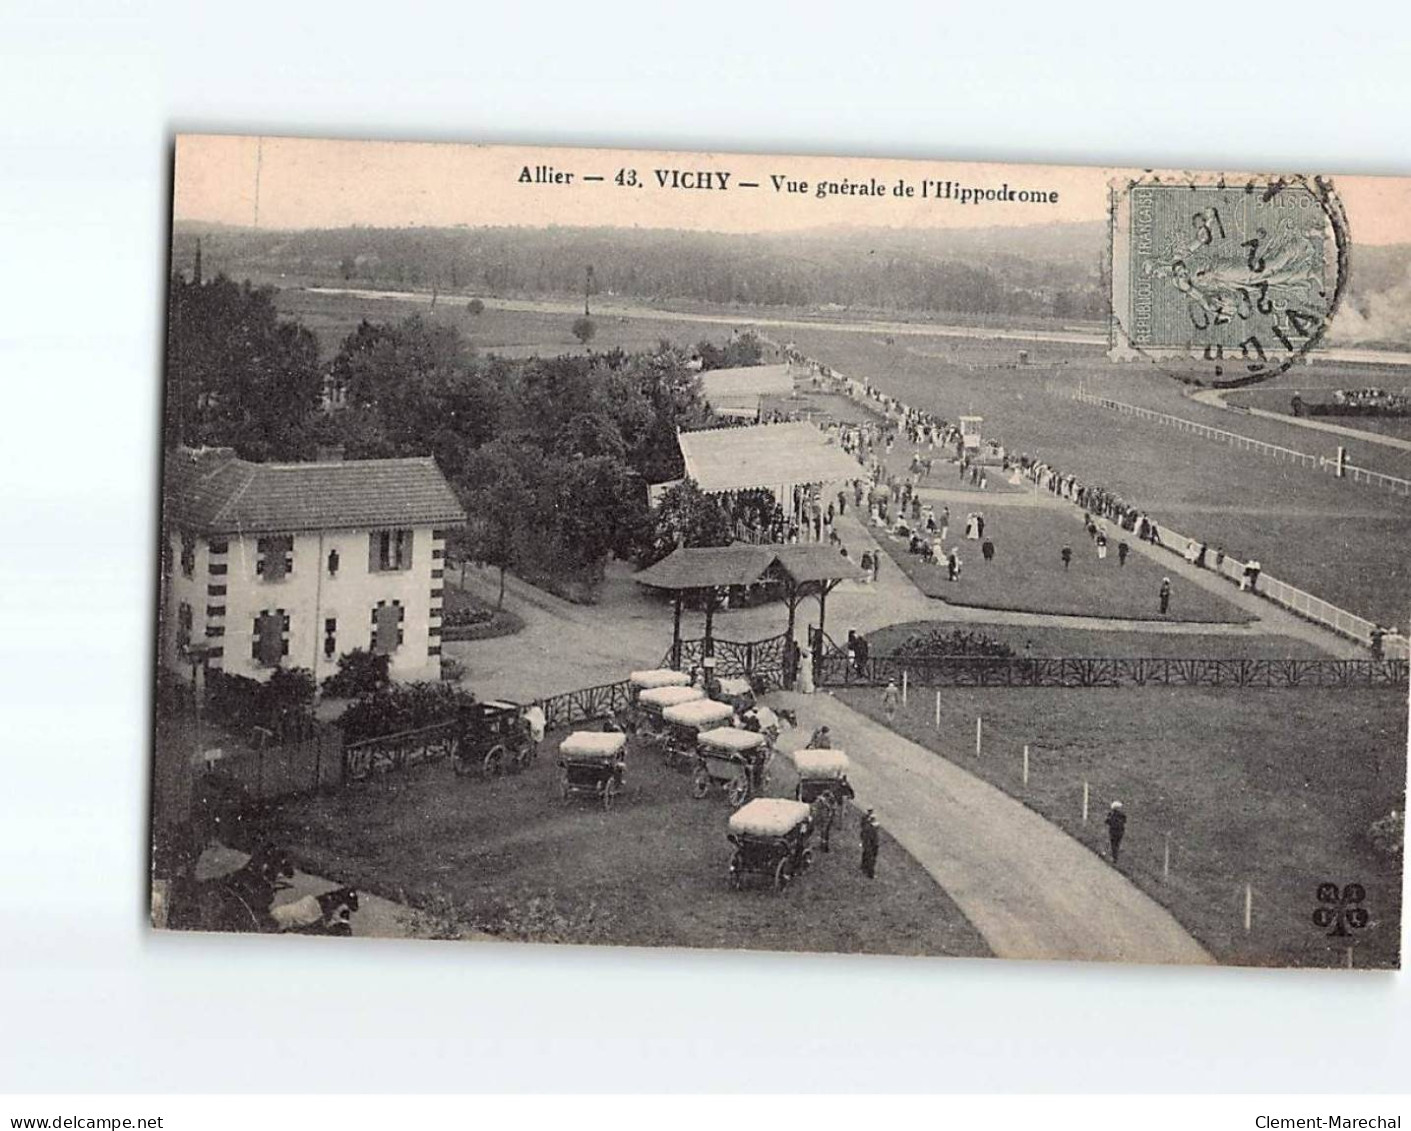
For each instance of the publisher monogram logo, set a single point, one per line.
(1341, 908)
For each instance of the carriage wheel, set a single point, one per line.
(700, 783)
(609, 792)
(737, 878)
(494, 761)
(783, 873)
(738, 791)
(806, 860)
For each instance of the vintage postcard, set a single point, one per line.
(784, 553)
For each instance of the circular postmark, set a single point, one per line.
(1224, 281)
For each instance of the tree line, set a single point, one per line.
(1058, 275)
(551, 457)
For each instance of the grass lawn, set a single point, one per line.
(1342, 542)
(1027, 572)
(489, 621)
(1048, 640)
(1273, 789)
(514, 859)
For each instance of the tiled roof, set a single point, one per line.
(749, 382)
(211, 491)
(706, 566)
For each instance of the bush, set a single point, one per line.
(938, 643)
(584, 328)
(452, 670)
(279, 705)
(1388, 834)
(400, 708)
(475, 306)
(359, 673)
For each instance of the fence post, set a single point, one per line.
(903, 687)
(1026, 763)
(977, 736)
(938, 710)
(1085, 803)
(1166, 859)
(1248, 907)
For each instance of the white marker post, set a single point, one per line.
(1248, 908)
(1026, 763)
(938, 710)
(977, 736)
(903, 688)
(1166, 860)
(1085, 803)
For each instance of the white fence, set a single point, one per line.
(1295, 599)
(1248, 443)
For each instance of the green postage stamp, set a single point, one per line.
(1224, 281)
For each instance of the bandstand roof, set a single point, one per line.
(744, 564)
(764, 455)
(816, 562)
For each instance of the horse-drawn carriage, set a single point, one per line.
(684, 724)
(823, 772)
(736, 760)
(593, 763)
(491, 738)
(652, 702)
(771, 836)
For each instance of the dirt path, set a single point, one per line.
(1030, 889)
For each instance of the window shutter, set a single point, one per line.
(406, 537)
(372, 555)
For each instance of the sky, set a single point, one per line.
(292, 183)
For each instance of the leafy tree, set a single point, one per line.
(237, 374)
(498, 501)
(584, 328)
(359, 673)
(475, 307)
(686, 516)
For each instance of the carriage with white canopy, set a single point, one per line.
(823, 772)
(734, 759)
(771, 836)
(652, 703)
(594, 764)
(685, 722)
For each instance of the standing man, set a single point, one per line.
(1165, 595)
(1067, 555)
(870, 839)
(890, 698)
(1122, 551)
(987, 550)
(823, 814)
(1116, 827)
(860, 649)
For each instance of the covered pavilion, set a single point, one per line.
(803, 570)
(789, 459)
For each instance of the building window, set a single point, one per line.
(188, 555)
(332, 563)
(389, 550)
(387, 627)
(183, 626)
(219, 545)
(330, 637)
(274, 558)
(271, 639)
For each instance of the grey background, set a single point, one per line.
(92, 91)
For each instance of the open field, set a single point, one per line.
(509, 333)
(1342, 542)
(1276, 790)
(1055, 640)
(1277, 400)
(1027, 572)
(515, 859)
(1161, 394)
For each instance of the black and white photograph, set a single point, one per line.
(811, 554)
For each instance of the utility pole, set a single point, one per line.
(587, 290)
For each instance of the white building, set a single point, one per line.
(294, 564)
